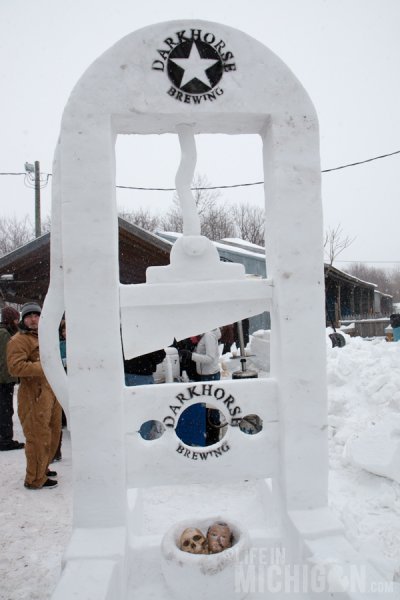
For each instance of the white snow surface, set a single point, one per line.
(363, 388)
(243, 243)
(171, 236)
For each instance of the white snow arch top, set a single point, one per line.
(214, 79)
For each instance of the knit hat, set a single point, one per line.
(9, 315)
(30, 307)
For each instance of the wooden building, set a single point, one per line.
(350, 298)
(25, 273)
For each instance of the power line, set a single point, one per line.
(361, 162)
(234, 185)
(370, 262)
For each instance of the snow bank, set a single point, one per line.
(364, 390)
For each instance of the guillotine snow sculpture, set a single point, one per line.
(187, 77)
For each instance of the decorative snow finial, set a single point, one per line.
(184, 178)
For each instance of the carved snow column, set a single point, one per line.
(294, 255)
(95, 370)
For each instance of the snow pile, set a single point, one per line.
(364, 390)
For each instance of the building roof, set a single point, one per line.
(244, 244)
(335, 273)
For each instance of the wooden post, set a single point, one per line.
(38, 228)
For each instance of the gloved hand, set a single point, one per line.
(184, 354)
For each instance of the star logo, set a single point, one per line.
(194, 67)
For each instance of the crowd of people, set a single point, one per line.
(40, 413)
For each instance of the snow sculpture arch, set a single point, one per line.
(177, 77)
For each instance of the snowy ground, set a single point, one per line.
(34, 526)
(364, 386)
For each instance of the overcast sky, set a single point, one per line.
(346, 53)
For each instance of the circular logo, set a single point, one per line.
(194, 67)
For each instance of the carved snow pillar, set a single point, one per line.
(295, 263)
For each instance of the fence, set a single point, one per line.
(367, 327)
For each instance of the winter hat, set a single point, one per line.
(395, 320)
(30, 307)
(9, 315)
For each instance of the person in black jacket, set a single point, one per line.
(395, 323)
(186, 362)
(8, 326)
(139, 370)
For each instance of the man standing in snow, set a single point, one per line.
(8, 327)
(38, 408)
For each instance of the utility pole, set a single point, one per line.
(35, 170)
(38, 228)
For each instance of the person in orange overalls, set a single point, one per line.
(38, 409)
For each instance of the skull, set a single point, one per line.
(219, 537)
(192, 540)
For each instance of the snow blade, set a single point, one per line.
(337, 339)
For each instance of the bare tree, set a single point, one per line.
(205, 198)
(14, 233)
(173, 220)
(142, 218)
(388, 281)
(249, 223)
(395, 284)
(46, 224)
(335, 242)
(217, 223)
